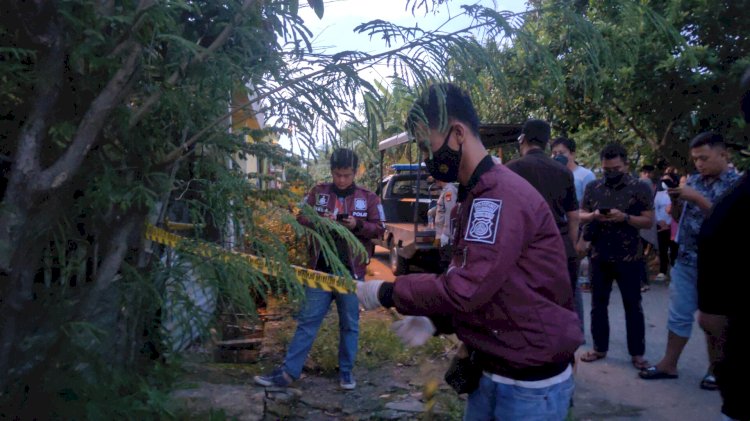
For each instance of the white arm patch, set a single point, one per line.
(484, 219)
(382, 214)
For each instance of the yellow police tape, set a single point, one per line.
(309, 277)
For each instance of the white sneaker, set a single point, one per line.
(660, 277)
(347, 382)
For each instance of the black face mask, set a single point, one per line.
(561, 159)
(343, 192)
(444, 162)
(613, 178)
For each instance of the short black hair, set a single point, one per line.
(536, 132)
(614, 150)
(648, 168)
(569, 144)
(439, 103)
(712, 139)
(344, 158)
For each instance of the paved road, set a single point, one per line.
(610, 389)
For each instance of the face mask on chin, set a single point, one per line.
(613, 178)
(343, 192)
(445, 162)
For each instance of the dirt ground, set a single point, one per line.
(389, 390)
(393, 386)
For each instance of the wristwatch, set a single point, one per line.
(627, 218)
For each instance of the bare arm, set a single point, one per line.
(642, 221)
(692, 195)
(573, 223)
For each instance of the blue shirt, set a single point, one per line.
(692, 216)
(582, 176)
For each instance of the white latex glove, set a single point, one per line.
(444, 239)
(413, 330)
(367, 293)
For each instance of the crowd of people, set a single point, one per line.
(513, 237)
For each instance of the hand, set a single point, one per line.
(599, 216)
(413, 330)
(367, 293)
(349, 222)
(582, 247)
(444, 240)
(686, 193)
(616, 215)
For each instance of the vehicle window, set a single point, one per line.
(407, 188)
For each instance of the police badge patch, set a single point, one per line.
(484, 219)
(360, 204)
(321, 200)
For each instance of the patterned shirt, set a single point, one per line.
(616, 241)
(692, 216)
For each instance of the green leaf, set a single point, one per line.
(317, 6)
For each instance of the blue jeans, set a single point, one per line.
(683, 299)
(498, 401)
(309, 318)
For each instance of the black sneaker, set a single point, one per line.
(347, 382)
(275, 378)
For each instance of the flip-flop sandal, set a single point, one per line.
(709, 382)
(653, 373)
(591, 356)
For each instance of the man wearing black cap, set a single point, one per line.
(554, 181)
(722, 293)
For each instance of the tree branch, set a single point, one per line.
(107, 271)
(665, 137)
(635, 128)
(178, 152)
(216, 44)
(88, 130)
(17, 200)
(26, 161)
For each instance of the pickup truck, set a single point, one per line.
(406, 196)
(408, 237)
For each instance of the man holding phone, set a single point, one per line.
(614, 209)
(714, 178)
(360, 211)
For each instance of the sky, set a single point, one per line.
(335, 31)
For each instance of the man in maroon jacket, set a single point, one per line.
(506, 294)
(358, 210)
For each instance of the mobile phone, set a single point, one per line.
(604, 211)
(342, 216)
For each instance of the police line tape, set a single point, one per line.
(309, 277)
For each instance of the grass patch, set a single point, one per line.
(377, 344)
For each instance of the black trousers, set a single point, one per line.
(628, 276)
(667, 250)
